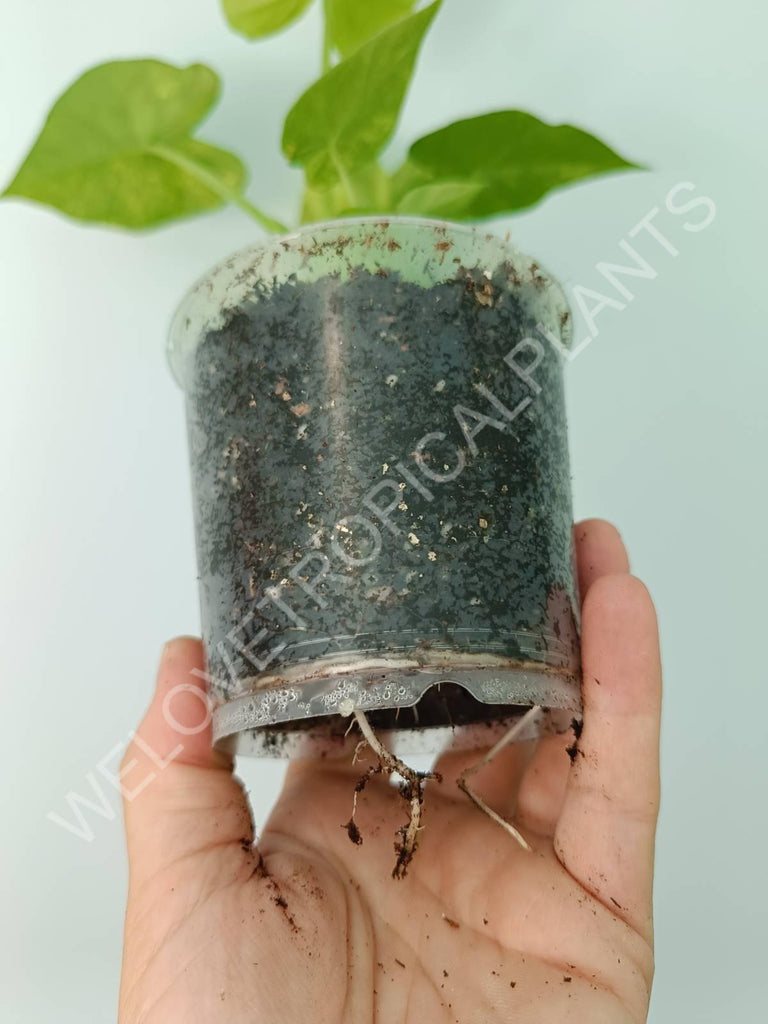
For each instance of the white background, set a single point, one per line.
(668, 432)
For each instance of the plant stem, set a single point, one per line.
(327, 41)
(275, 226)
(345, 179)
(219, 188)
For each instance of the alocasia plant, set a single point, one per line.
(120, 146)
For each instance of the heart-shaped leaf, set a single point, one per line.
(256, 18)
(348, 115)
(352, 22)
(498, 162)
(117, 147)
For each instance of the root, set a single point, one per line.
(412, 791)
(362, 782)
(463, 785)
(412, 787)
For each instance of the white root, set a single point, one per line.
(413, 786)
(388, 759)
(483, 806)
(509, 737)
(412, 790)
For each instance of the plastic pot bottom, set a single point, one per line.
(466, 698)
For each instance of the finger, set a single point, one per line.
(179, 794)
(606, 832)
(599, 551)
(177, 724)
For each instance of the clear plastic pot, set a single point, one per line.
(381, 487)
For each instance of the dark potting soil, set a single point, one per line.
(311, 395)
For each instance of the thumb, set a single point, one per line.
(605, 836)
(180, 797)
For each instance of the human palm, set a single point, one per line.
(308, 926)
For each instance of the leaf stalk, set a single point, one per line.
(221, 190)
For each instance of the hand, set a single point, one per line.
(308, 927)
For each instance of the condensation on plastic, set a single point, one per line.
(398, 651)
(315, 739)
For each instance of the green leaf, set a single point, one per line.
(453, 200)
(117, 147)
(347, 116)
(353, 22)
(497, 163)
(256, 18)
